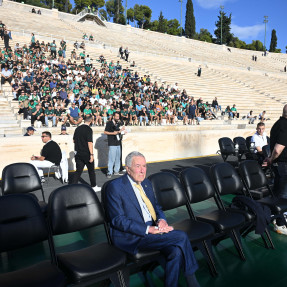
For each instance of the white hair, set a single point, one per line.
(130, 156)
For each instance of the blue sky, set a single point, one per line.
(247, 16)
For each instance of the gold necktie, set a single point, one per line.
(146, 201)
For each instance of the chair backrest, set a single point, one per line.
(226, 146)
(20, 178)
(268, 140)
(168, 190)
(226, 179)
(196, 184)
(74, 207)
(266, 151)
(248, 141)
(241, 143)
(252, 174)
(21, 222)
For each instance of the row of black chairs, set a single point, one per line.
(240, 147)
(76, 207)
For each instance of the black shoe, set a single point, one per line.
(109, 175)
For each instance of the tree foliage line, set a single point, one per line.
(140, 16)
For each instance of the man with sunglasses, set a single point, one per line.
(50, 155)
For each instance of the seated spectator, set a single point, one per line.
(76, 45)
(215, 105)
(133, 117)
(251, 118)
(82, 45)
(33, 10)
(260, 140)
(50, 115)
(74, 114)
(235, 114)
(154, 118)
(143, 115)
(39, 12)
(6, 76)
(61, 115)
(50, 155)
(262, 116)
(37, 114)
(91, 38)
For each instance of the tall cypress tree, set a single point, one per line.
(189, 20)
(161, 23)
(226, 34)
(273, 43)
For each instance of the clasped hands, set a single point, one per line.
(162, 227)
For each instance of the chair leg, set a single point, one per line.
(269, 237)
(206, 250)
(236, 240)
(126, 276)
(264, 241)
(118, 279)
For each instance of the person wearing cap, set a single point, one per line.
(63, 131)
(30, 132)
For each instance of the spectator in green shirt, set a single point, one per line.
(37, 114)
(50, 115)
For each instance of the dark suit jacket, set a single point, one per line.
(127, 225)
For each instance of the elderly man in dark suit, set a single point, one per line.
(138, 223)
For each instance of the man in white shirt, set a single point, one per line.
(259, 138)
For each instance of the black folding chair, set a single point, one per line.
(254, 178)
(226, 146)
(242, 147)
(73, 208)
(22, 178)
(199, 189)
(170, 195)
(227, 181)
(23, 224)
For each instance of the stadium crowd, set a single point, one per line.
(51, 87)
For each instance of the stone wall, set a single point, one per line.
(156, 146)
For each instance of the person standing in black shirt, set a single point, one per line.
(83, 139)
(113, 131)
(278, 143)
(50, 155)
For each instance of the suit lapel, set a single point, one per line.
(128, 190)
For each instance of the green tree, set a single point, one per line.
(226, 34)
(173, 27)
(114, 9)
(104, 13)
(162, 24)
(204, 36)
(153, 26)
(81, 4)
(189, 20)
(142, 15)
(256, 45)
(130, 15)
(273, 43)
(61, 5)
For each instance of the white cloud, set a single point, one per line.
(212, 3)
(247, 32)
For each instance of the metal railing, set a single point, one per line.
(91, 11)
